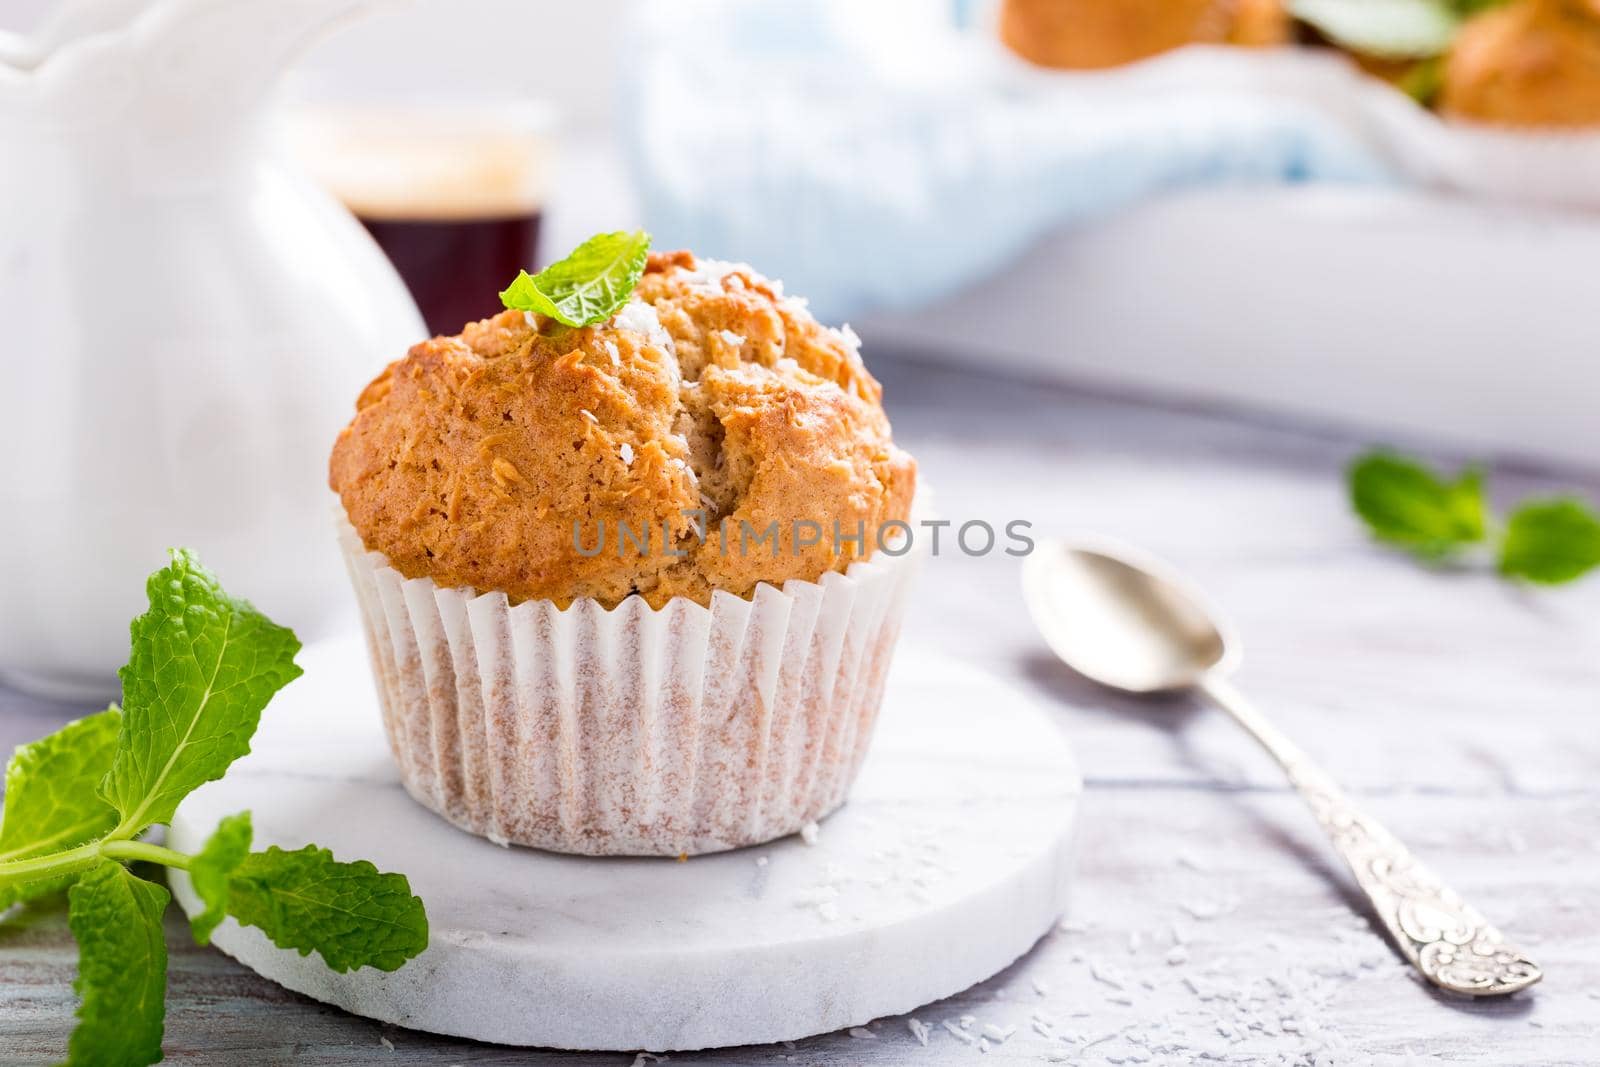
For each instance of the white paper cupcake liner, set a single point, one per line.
(630, 731)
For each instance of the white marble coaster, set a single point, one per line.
(950, 861)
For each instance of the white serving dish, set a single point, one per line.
(952, 858)
(1401, 311)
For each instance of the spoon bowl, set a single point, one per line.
(1124, 619)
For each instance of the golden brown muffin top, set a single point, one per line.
(1092, 34)
(1530, 63)
(470, 460)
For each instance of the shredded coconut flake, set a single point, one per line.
(810, 832)
(1107, 976)
(919, 1030)
(1205, 910)
(626, 452)
(708, 274)
(862, 1033)
(640, 317)
(688, 472)
(816, 895)
(957, 1032)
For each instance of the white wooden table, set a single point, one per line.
(1211, 923)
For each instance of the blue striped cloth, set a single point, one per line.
(883, 154)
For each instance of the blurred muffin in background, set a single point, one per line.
(1530, 63)
(1093, 34)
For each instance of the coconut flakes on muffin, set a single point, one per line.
(471, 460)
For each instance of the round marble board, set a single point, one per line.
(949, 861)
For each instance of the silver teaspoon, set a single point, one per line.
(1129, 623)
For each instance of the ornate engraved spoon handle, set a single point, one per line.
(1445, 938)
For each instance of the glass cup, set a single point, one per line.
(454, 194)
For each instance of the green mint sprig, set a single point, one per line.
(587, 287)
(202, 668)
(1551, 541)
(1409, 506)
(51, 802)
(1440, 519)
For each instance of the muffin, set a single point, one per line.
(1092, 34)
(630, 588)
(1530, 63)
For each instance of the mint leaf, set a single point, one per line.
(350, 913)
(122, 967)
(51, 803)
(203, 665)
(1424, 81)
(1464, 8)
(212, 870)
(589, 286)
(1391, 29)
(1408, 505)
(1551, 541)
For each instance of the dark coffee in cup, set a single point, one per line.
(454, 267)
(453, 195)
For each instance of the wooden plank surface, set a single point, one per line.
(1211, 924)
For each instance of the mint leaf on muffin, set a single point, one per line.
(1410, 506)
(588, 286)
(202, 668)
(1406, 504)
(1551, 541)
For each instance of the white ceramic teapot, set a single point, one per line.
(185, 322)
